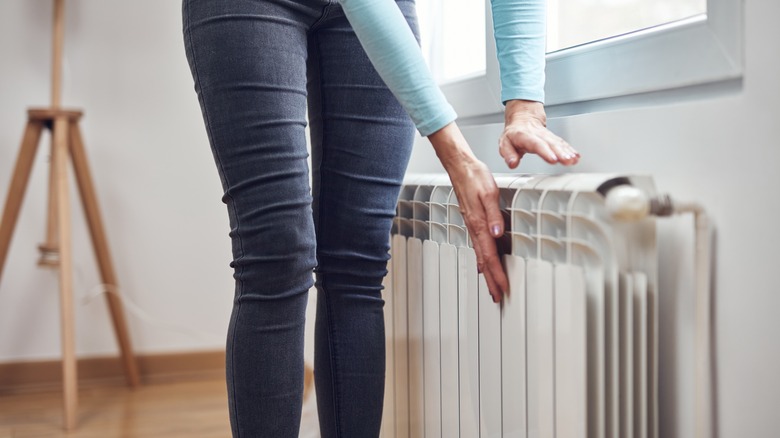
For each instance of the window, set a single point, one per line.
(575, 22)
(453, 38)
(623, 48)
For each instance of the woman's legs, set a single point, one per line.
(361, 141)
(248, 59)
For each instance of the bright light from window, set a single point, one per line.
(574, 22)
(453, 37)
(453, 31)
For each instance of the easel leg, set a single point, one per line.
(100, 245)
(69, 372)
(13, 201)
(49, 247)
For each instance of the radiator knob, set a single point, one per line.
(627, 203)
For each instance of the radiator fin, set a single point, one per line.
(571, 353)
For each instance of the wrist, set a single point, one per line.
(524, 110)
(451, 147)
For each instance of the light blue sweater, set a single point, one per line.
(519, 28)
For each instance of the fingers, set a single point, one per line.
(490, 204)
(484, 221)
(478, 196)
(565, 153)
(551, 148)
(489, 265)
(509, 153)
(488, 260)
(524, 141)
(494, 271)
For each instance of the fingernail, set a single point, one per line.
(496, 230)
(495, 300)
(553, 158)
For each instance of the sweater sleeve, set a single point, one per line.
(520, 30)
(393, 50)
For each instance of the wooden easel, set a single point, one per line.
(56, 251)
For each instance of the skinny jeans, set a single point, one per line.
(258, 65)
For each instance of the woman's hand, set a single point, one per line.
(525, 131)
(479, 203)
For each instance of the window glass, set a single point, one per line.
(575, 22)
(453, 37)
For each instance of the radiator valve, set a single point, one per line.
(628, 203)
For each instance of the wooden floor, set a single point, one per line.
(172, 410)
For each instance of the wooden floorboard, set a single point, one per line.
(46, 375)
(170, 410)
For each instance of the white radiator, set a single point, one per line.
(571, 354)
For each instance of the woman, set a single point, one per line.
(257, 64)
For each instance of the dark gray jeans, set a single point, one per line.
(256, 64)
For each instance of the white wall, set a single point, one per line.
(155, 177)
(168, 229)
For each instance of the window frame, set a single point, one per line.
(649, 60)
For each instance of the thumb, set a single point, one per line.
(494, 219)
